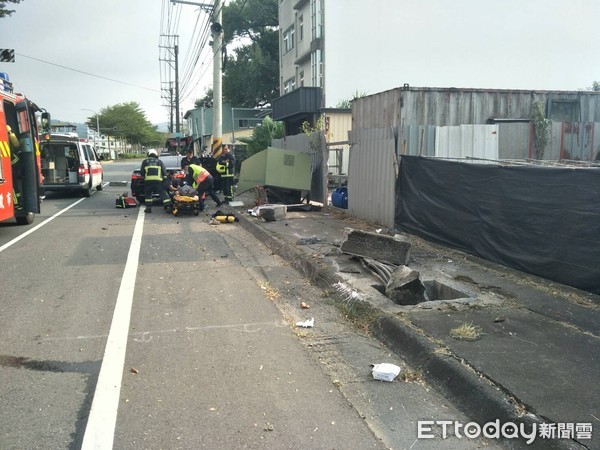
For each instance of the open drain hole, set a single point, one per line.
(440, 291)
(431, 290)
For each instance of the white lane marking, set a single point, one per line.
(28, 232)
(100, 429)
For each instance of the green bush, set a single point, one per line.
(131, 156)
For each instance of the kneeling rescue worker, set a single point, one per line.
(155, 176)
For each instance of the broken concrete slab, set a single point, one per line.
(271, 213)
(405, 287)
(388, 249)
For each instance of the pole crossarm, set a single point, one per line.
(206, 6)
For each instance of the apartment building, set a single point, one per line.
(303, 96)
(301, 69)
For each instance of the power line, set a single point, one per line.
(196, 48)
(88, 73)
(191, 72)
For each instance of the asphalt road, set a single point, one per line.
(125, 330)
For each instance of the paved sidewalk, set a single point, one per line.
(536, 361)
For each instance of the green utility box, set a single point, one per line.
(276, 167)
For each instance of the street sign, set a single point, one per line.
(7, 55)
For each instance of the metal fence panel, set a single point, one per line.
(476, 141)
(372, 174)
(514, 140)
(577, 141)
(419, 140)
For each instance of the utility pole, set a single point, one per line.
(171, 110)
(177, 92)
(172, 57)
(217, 34)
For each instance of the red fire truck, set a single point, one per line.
(20, 164)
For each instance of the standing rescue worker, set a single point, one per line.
(155, 177)
(188, 159)
(15, 151)
(226, 167)
(200, 179)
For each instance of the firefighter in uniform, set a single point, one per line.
(226, 167)
(200, 179)
(14, 145)
(155, 176)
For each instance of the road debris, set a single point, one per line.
(346, 291)
(307, 323)
(309, 240)
(385, 371)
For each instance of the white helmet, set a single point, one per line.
(152, 153)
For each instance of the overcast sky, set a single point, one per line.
(504, 44)
(516, 44)
(115, 39)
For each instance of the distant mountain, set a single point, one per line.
(162, 127)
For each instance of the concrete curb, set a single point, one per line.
(481, 399)
(477, 396)
(314, 270)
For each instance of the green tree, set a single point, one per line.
(127, 121)
(541, 129)
(348, 103)
(262, 136)
(595, 86)
(250, 79)
(250, 73)
(206, 101)
(249, 18)
(7, 12)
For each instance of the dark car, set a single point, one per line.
(172, 163)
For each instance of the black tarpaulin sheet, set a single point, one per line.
(540, 220)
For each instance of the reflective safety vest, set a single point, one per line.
(221, 168)
(14, 145)
(153, 170)
(199, 174)
(225, 165)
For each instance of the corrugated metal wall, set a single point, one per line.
(372, 175)
(377, 111)
(419, 140)
(450, 106)
(476, 141)
(514, 140)
(460, 107)
(580, 142)
(414, 114)
(577, 140)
